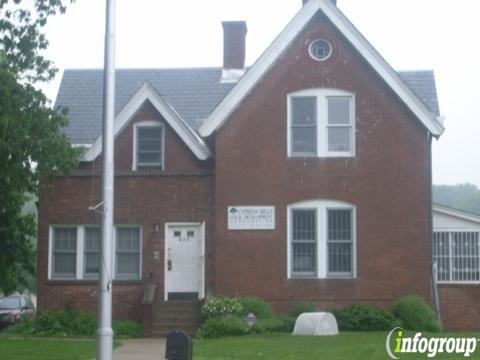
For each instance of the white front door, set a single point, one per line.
(184, 261)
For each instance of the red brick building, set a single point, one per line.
(304, 177)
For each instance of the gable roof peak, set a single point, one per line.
(147, 92)
(251, 78)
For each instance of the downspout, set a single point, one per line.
(436, 297)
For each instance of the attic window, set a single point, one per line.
(148, 146)
(320, 49)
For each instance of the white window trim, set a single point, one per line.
(321, 95)
(147, 123)
(321, 207)
(454, 282)
(80, 259)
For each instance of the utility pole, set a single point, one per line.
(104, 331)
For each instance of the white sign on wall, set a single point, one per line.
(251, 217)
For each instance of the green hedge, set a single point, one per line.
(225, 317)
(219, 327)
(415, 314)
(275, 324)
(364, 318)
(70, 322)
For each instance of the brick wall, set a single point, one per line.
(460, 306)
(183, 193)
(387, 181)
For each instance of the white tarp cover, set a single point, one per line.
(316, 324)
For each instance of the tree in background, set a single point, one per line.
(463, 196)
(32, 145)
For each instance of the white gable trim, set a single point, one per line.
(233, 99)
(456, 213)
(147, 92)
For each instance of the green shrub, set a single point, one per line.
(259, 307)
(275, 324)
(364, 318)
(415, 314)
(70, 322)
(67, 322)
(25, 327)
(302, 307)
(220, 327)
(127, 328)
(288, 322)
(217, 308)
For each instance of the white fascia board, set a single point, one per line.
(147, 92)
(456, 213)
(284, 39)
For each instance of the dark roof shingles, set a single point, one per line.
(193, 93)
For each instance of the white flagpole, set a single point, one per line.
(104, 331)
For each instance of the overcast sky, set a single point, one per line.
(411, 34)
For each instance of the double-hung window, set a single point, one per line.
(74, 252)
(321, 241)
(304, 242)
(321, 123)
(457, 256)
(92, 252)
(127, 247)
(304, 125)
(64, 252)
(339, 242)
(149, 146)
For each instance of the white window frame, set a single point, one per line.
(322, 94)
(450, 258)
(140, 253)
(84, 260)
(321, 207)
(80, 259)
(50, 252)
(146, 124)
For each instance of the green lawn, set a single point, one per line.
(347, 346)
(354, 346)
(46, 349)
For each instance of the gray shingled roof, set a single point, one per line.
(193, 93)
(423, 84)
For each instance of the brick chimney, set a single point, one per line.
(234, 33)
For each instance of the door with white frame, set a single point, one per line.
(184, 261)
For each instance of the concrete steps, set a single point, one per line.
(176, 315)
